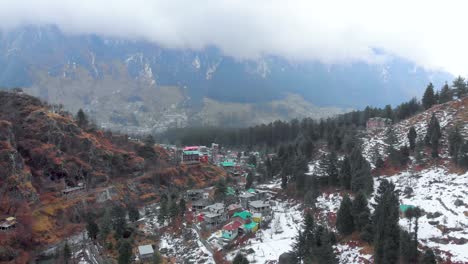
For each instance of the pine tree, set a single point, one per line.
(284, 181)
(390, 138)
(463, 155)
(173, 209)
(455, 140)
(412, 135)
(163, 211)
(157, 259)
(105, 225)
(428, 99)
(367, 234)
(299, 247)
(433, 135)
(361, 178)
(419, 152)
(460, 86)
(386, 227)
(345, 173)
(344, 217)
(92, 228)
(125, 253)
(429, 257)
(309, 236)
(119, 222)
(220, 189)
(361, 212)
(66, 252)
(81, 119)
(240, 259)
(388, 112)
(249, 180)
(182, 206)
(325, 253)
(133, 213)
(445, 94)
(332, 170)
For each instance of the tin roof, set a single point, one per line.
(145, 249)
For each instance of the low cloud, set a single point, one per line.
(429, 33)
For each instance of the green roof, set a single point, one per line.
(226, 235)
(230, 191)
(251, 225)
(244, 215)
(405, 207)
(251, 190)
(191, 152)
(228, 163)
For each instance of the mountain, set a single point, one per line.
(138, 86)
(54, 172)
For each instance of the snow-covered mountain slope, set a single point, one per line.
(443, 197)
(449, 115)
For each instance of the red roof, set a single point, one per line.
(232, 226)
(191, 148)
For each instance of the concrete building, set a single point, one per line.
(200, 205)
(8, 223)
(245, 198)
(262, 208)
(145, 252)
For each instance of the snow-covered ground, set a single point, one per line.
(271, 242)
(185, 248)
(444, 225)
(350, 253)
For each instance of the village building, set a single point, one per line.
(245, 198)
(8, 223)
(257, 217)
(195, 194)
(262, 208)
(211, 220)
(234, 208)
(231, 231)
(243, 217)
(228, 164)
(200, 205)
(191, 157)
(378, 123)
(217, 208)
(251, 227)
(145, 252)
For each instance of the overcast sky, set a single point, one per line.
(430, 33)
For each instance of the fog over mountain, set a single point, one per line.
(331, 32)
(222, 62)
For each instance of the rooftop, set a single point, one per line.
(258, 204)
(145, 249)
(251, 225)
(244, 215)
(211, 215)
(247, 195)
(216, 206)
(232, 226)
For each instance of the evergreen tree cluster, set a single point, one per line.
(433, 136)
(458, 147)
(314, 243)
(355, 216)
(337, 131)
(385, 224)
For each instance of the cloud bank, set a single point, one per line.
(429, 33)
